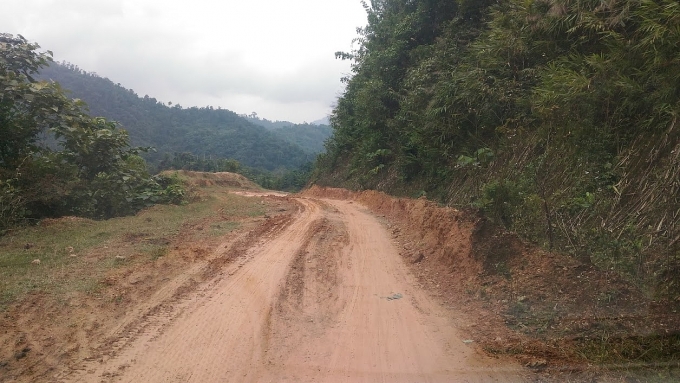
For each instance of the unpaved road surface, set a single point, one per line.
(325, 299)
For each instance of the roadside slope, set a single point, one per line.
(563, 318)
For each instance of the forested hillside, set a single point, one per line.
(309, 136)
(208, 131)
(268, 124)
(556, 118)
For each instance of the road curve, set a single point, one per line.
(328, 299)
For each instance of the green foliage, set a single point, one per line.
(499, 199)
(207, 131)
(188, 161)
(93, 173)
(308, 137)
(26, 106)
(288, 180)
(12, 206)
(482, 157)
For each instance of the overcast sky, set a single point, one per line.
(273, 57)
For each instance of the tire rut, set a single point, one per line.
(149, 322)
(306, 300)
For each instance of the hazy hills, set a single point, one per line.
(309, 136)
(202, 131)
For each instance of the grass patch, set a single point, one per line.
(656, 349)
(158, 253)
(642, 358)
(75, 254)
(222, 228)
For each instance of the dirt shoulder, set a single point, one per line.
(97, 280)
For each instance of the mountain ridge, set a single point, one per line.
(169, 129)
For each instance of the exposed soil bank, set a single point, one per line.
(554, 313)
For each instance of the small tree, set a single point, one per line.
(95, 172)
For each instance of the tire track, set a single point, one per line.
(308, 303)
(221, 318)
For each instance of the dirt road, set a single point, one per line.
(325, 299)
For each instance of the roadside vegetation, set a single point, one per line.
(57, 160)
(558, 119)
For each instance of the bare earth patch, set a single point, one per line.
(75, 304)
(245, 285)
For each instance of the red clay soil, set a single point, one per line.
(324, 298)
(550, 311)
(342, 286)
(40, 338)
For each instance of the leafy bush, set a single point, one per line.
(499, 200)
(93, 172)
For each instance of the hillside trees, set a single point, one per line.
(368, 131)
(204, 131)
(95, 172)
(558, 118)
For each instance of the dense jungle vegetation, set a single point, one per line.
(310, 137)
(557, 118)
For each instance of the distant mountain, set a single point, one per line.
(173, 129)
(322, 121)
(310, 137)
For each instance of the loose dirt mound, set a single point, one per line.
(553, 312)
(227, 179)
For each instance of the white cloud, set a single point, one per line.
(270, 56)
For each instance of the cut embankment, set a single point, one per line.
(551, 311)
